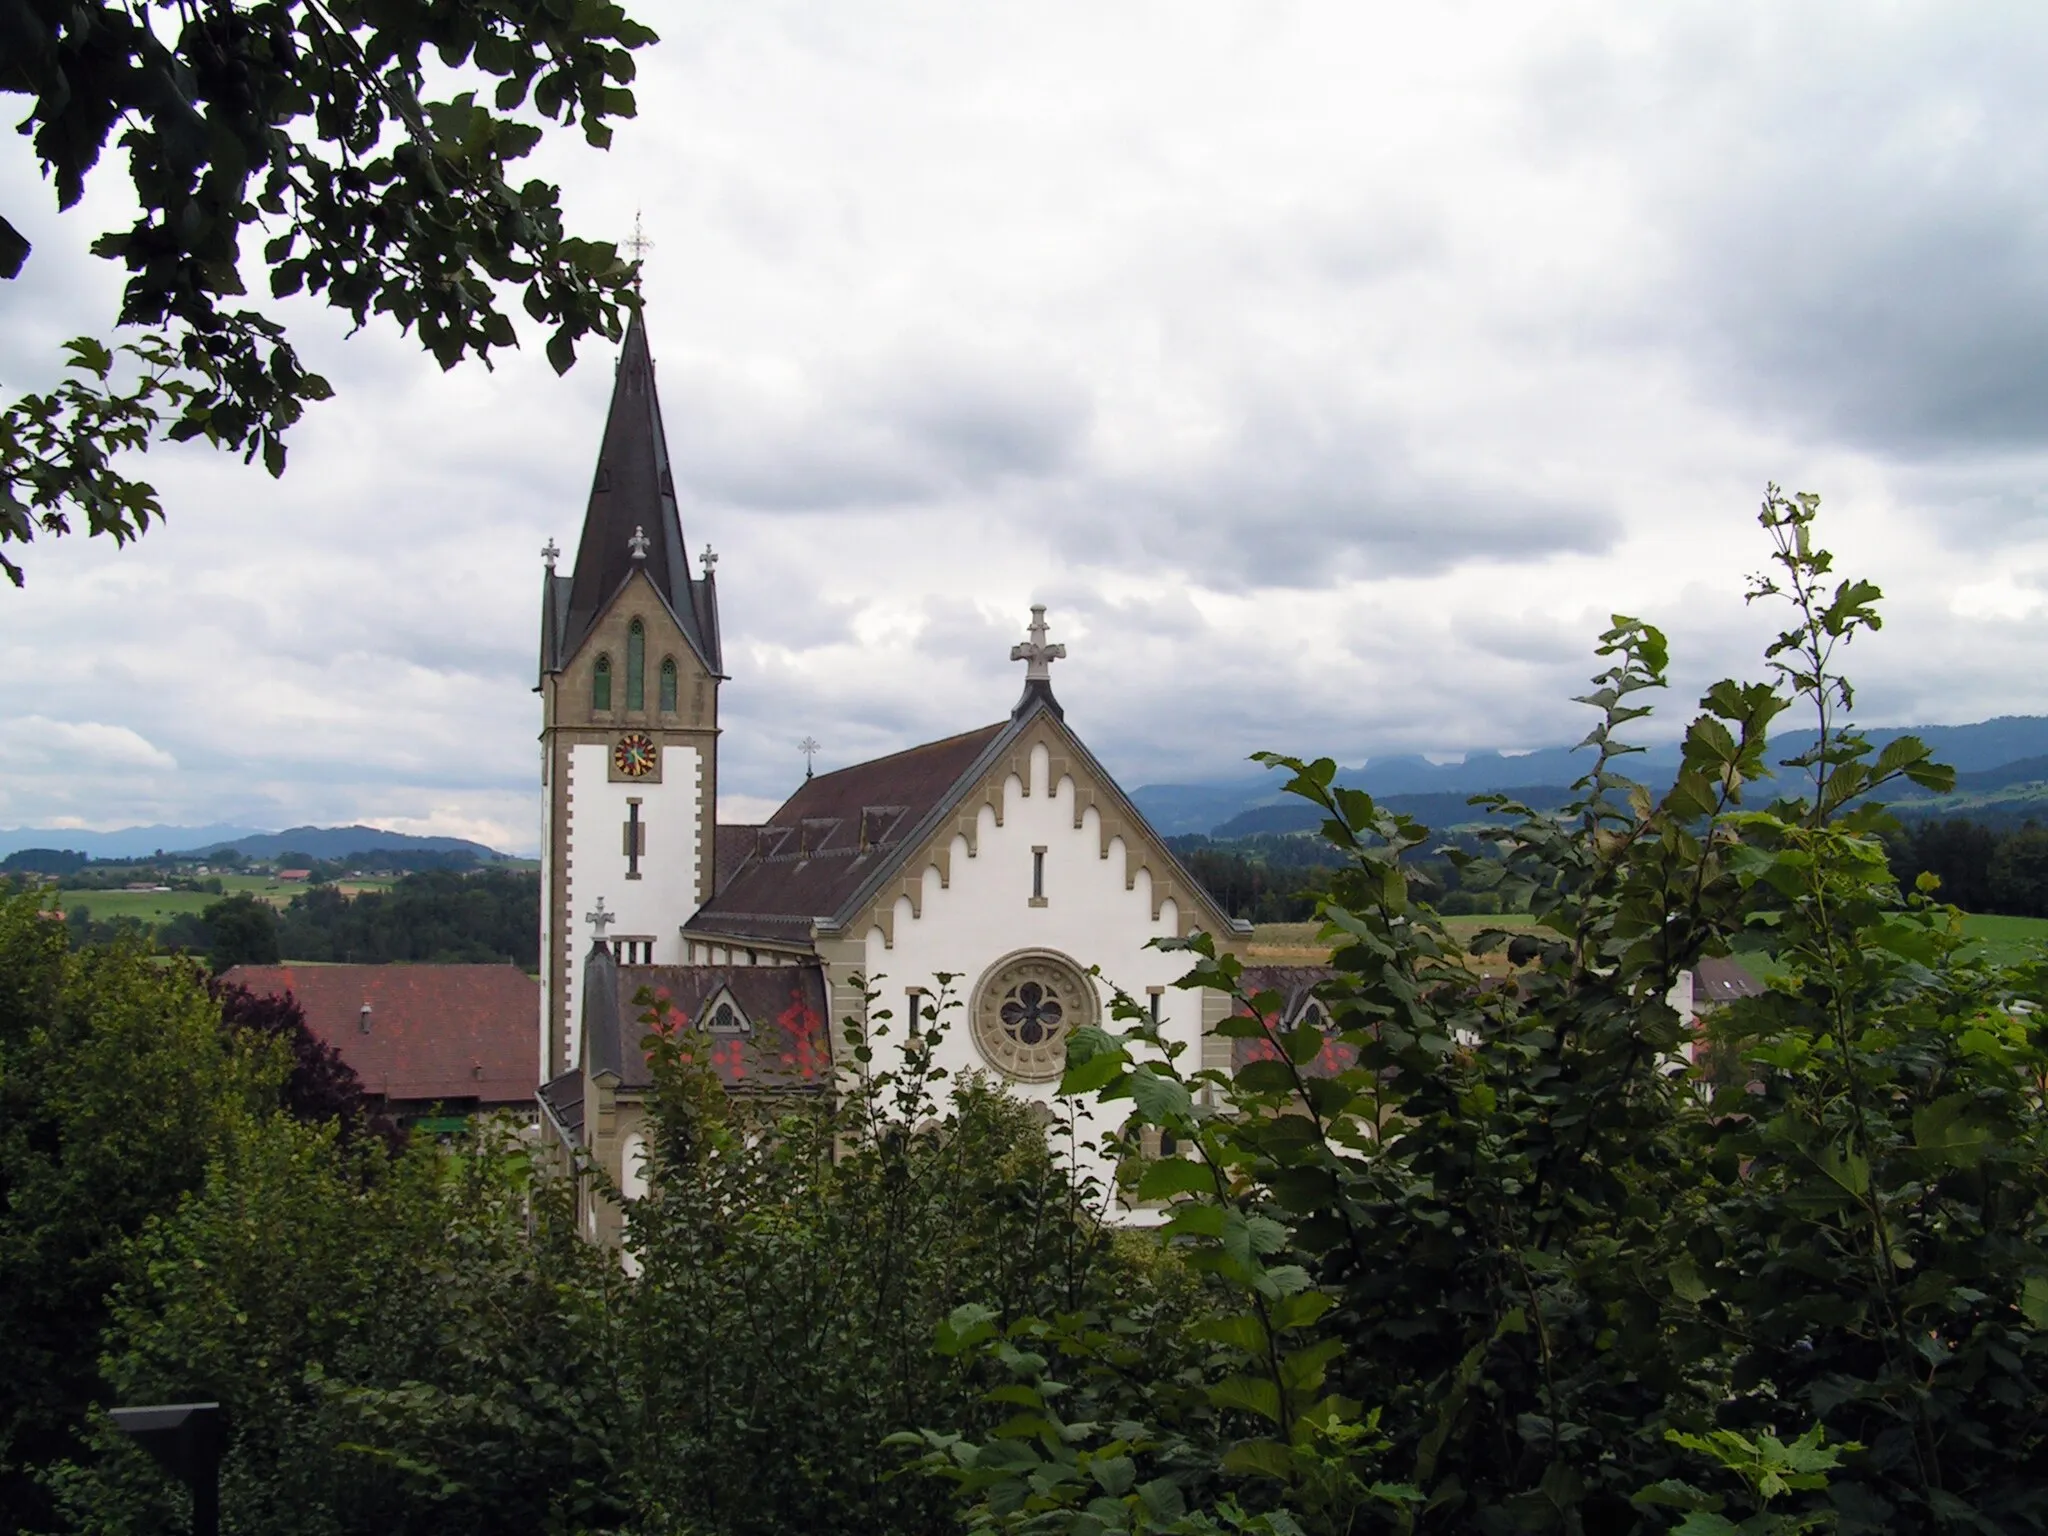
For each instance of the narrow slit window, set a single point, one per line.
(668, 685)
(1158, 1002)
(636, 666)
(601, 684)
(1038, 874)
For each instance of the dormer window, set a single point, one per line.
(601, 684)
(636, 666)
(724, 1016)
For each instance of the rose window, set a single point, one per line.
(1024, 1010)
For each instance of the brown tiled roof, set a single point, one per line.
(1718, 979)
(731, 842)
(813, 855)
(437, 1032)
(1296, 985)
(786, 1046)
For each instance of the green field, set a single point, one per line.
(154, 907)
(2004, 939)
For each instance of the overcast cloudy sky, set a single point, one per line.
(1331, 371)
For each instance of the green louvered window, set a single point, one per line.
(668, 685)
(636, 666)
(601, 684)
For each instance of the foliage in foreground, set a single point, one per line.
(1454, 1255)
(1515, 1267)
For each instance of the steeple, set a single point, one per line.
(632, 522)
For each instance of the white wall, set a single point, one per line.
(986, 913)
(666, 893)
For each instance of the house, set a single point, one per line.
(434, 1041)
(1005, 856)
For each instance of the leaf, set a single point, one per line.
(2034, 1300)
(1162, 1100)
(1171, 1176)
(1114, 1474)
(1265, 1458)
(1251, 1394)
(14, 249)
(1849, 1169)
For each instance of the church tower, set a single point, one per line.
(629, 675)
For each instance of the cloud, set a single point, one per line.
(76, 745)
(1332, 374)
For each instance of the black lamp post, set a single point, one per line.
(186, 1440)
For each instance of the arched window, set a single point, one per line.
(636, 666)
(601, 684)
(668, 685)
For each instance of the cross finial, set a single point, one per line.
(709, 558)
(600, 919)
(1035, 653)
(550, 553)
(639, 244)
(638, 543)
(810, 747)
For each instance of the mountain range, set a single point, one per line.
(2001, 765)
(315, 842)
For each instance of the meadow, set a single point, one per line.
(2007, 940)
(153, 907)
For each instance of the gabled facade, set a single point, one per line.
(1005, 857)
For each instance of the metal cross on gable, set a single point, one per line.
(600, 919)
(709, 559)
(1035, 653)
(810, 746)
(550, 553)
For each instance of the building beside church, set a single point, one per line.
(1006, 855)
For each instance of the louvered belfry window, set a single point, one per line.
(636, 666)
(668, 685)
(601, 684)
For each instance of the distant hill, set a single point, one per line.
(317, 842)
(125, 843)
(342, 843)
(2001, 764)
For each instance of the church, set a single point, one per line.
(1004, 856)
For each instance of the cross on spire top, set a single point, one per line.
(638, 244)
(1037, 656)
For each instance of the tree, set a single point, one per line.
(1493, 1258)
(243, 930)
(115, 1078)
(353, 136)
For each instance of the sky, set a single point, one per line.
(1332, 372)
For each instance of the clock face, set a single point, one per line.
(634, 756)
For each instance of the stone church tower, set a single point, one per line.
(629, 675)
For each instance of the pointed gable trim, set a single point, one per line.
(1143, 846)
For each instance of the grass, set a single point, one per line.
(2005, 940)
(155, 907)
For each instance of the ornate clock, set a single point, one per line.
(634, 756)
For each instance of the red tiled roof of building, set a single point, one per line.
(436, 1032)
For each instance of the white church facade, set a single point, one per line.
(1005, 856)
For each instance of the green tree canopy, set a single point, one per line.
(372, 144)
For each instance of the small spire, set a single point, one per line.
(550, 554)
(639, 543)
(810, 747)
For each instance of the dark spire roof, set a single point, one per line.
(632, 491)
